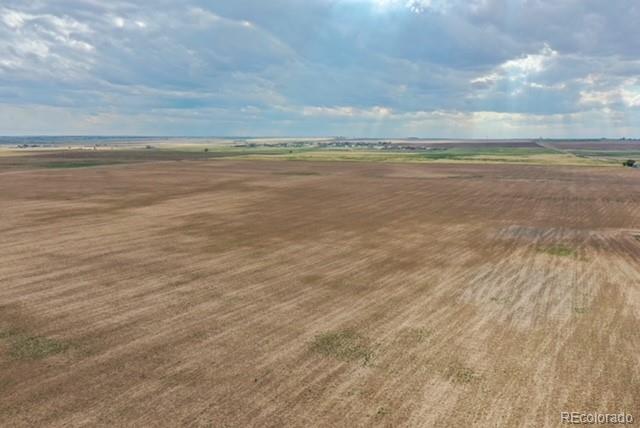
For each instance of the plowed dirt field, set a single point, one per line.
(270, 293)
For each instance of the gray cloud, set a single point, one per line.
(349, 67)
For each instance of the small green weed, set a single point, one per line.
(346, 345)
(460, 374)
(382, 412)
(27, 347)
(559, 250)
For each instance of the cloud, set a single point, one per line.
(531, 63)
(376, 112)
(626, 95)
(519, 69)
(347, 67)
(43, 45)
(415, 6)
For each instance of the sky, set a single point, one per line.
(354, 68)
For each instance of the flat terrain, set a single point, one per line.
(72, 152)
(234, 293)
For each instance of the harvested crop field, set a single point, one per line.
(232, 293)
(631, 145)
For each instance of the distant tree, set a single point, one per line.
(206, 150)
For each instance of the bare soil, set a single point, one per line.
(232, 293)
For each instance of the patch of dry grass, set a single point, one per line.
(24, 346)
(345, 345)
